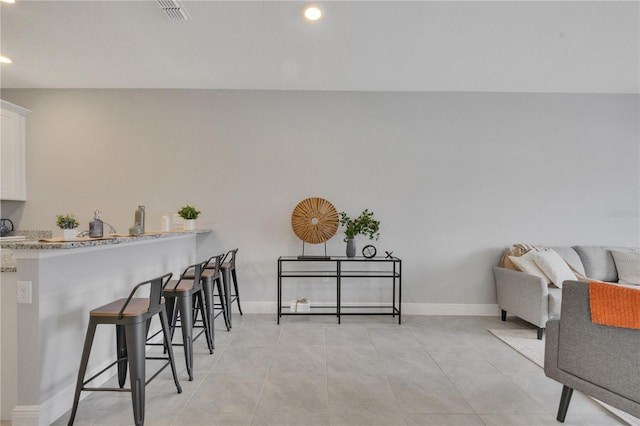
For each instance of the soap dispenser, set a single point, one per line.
(139, 218)
(96, 226)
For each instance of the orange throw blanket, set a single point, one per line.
(614, 305)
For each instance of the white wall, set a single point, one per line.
(453, 177)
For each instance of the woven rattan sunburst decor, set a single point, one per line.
(314, 220)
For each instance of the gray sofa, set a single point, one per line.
(530, 298)
(597, 360)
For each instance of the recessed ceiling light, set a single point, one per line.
(4, 60)
(312, 13)
(8, 1)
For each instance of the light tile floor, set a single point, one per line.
(431, 370)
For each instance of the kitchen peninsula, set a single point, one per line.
(67, 280)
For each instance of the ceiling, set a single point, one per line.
(502, 46)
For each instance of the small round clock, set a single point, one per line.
(369, 251)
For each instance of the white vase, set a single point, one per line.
(189, 224)
(69, 234)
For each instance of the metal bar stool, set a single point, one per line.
(210, 278)
(228, 269)
(184, 296)
(132, 317)
(213, 274)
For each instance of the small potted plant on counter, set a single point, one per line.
(189, 214)
(364, 224)
(68, 223)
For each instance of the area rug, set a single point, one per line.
(526, 343)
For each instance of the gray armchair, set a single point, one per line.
(526, 296)
(600, 361)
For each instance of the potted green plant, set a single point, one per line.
(189, 214)
(68, 223)
(364, 224)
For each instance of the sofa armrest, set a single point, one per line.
(597, 353)
(598, 360)
(551, 348)
(521, 294)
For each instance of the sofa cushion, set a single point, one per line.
(628, 265)
(515, 250)
(526, 264)
(598, 263)
(553, 266)
(571, 257)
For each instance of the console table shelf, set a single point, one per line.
(340, 269)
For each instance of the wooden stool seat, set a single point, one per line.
(182, 285)
(136, 307)
(210, 273)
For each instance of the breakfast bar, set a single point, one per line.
(62, 282)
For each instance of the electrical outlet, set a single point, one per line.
(24, 292)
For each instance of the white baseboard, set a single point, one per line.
(464, 309)
(25, 415)
(467, 309)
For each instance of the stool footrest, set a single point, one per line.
(102, 371)
(155, 358)
(178, 344)
(107, 389)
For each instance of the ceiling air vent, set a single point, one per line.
(174, 10)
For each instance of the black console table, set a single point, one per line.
(341, 269)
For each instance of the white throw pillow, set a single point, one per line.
(628, 265)
(526, 264)
(553, 266)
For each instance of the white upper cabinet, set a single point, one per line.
(13, 171)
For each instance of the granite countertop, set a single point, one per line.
(39, 242)
(92, 242)
(8, 261)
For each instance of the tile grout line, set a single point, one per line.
(266, 376)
